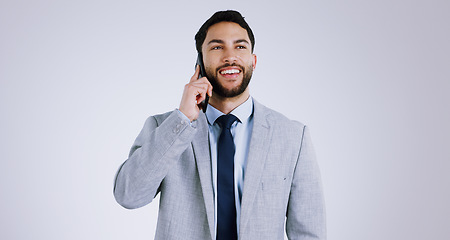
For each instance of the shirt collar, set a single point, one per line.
(242, 112)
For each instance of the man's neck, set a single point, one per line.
(226, 105)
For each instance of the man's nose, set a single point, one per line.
(230, 56)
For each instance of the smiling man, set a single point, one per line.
(238, 171)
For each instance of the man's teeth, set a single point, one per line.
(230, 71)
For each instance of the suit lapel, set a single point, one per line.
(259, 146)
(200, 145)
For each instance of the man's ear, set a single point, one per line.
(254, 61)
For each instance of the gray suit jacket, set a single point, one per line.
(281, 186)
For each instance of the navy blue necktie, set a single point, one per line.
(226, 208)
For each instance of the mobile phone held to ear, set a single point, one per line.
(202, 73)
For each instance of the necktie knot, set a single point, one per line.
(226, 121)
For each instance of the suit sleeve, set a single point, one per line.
(306, 209)
(156, 148)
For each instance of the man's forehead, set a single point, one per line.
(226, 31)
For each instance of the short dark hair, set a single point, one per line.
(222, 16)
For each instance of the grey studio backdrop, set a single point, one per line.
(370, 78)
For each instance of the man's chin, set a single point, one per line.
(229, 87)
(229, 93)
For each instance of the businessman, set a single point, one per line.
(238, 171)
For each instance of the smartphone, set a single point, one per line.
(202, 73)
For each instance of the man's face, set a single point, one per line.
(228, 58)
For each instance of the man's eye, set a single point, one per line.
(241, 47)
(216, 48)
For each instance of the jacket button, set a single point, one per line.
(177, 129)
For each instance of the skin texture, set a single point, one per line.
(226, 47)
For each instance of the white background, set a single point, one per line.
(370, 78)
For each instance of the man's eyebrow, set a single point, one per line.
(215, 41)
(221, 41)
(241, 41)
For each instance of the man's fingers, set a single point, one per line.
(197, 88)
(196, 73)
(206, 83)
(210, 88)
(200, 91)
(201, 84)
(194, 92)
(195, 79)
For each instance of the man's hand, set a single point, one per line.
(194, 93)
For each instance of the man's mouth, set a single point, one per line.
(230, 72)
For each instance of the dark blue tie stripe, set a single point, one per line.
(226, 208)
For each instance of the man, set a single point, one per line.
(238, 171)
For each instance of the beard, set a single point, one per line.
(220, 90)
